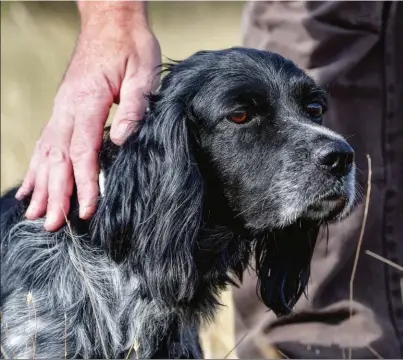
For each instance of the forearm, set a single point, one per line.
(119, 13)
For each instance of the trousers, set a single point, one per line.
(354, 50)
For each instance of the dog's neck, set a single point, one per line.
(221, 254)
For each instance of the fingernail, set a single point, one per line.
(83, 211)
(121, 132)
(19, 194)
(50, 219)
(32, 209)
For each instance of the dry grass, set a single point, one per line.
(384, 260)
(357, 254)
(4, 352)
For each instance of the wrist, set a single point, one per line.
(117, 14)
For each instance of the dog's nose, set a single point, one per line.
(338, 157)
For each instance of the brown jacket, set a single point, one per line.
(354, 50)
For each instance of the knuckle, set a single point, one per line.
(61, 191)
(58, 156)
(77, 155)
(58, 199)
(39, 194)
(86, 185)
(40, 188)
(129, 116)
(43, 148)
(87, 189)
(87, 202)
(80, 151)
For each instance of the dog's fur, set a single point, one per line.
(187, 199)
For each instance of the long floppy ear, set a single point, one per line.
(283, 265)
(151, 211)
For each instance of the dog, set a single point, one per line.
(231, 165)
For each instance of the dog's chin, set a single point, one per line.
(330, 208)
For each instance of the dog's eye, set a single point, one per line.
(314, 110)
(239, 117)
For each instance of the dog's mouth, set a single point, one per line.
(328, 208)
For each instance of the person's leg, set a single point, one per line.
(351, 49)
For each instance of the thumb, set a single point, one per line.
(130, 111)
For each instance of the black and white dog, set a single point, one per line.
(230, 161)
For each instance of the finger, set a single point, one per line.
(127, 116)
(130, 111)
(84, 151)
(60, 172)
(59, 195)
(60, 189)
(38, 203)
(29, 179)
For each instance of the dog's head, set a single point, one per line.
(259, 120)
(254, 120)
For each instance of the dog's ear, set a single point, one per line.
(283, 265)
(151, 210)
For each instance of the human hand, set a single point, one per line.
(115, 61)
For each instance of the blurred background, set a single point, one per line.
(37, 40)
